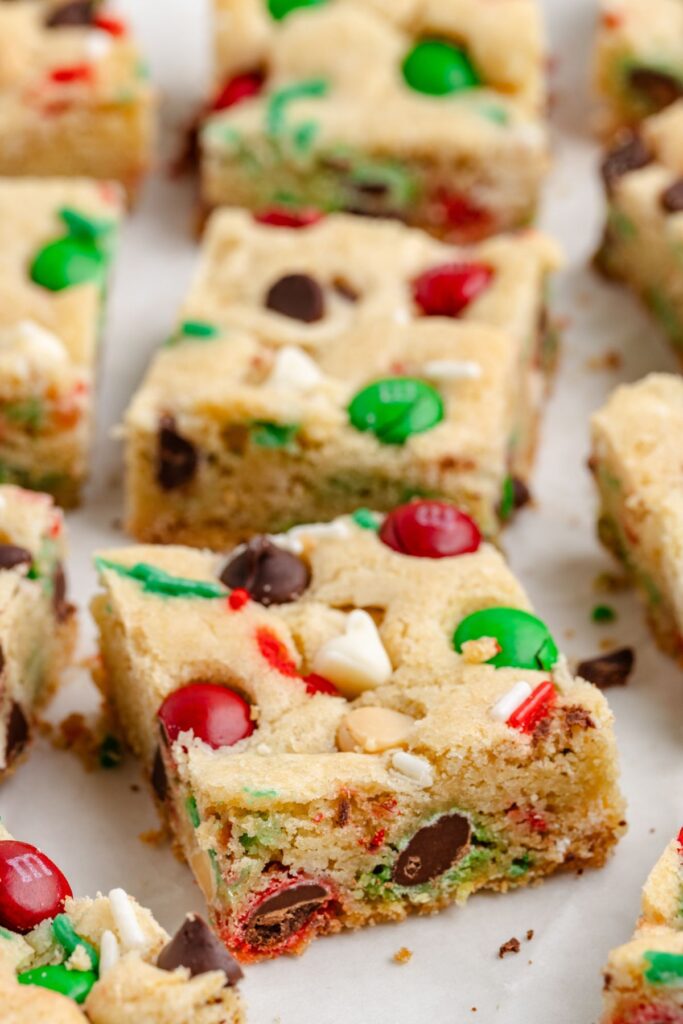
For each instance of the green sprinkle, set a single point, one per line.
(110, 752)
(273, 435)
(75, 985)
(192, 811)
(5, 934)
(70, 941)
(279, 102)
(366, 519)
(603, 613)
(248, 842)
(260, 794)
(88, 228)
(665, 968)
(507, 500)
(156, 581)
(520, 866)
(29, 413)
(279, 9)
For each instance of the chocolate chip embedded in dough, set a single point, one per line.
(611, 669)
(284, 914)
(298, 296)
(672, 197)
(73, 13)
(177, 457)
(11, 556)
(159, 777)
(195, 947)
(62, 608)
(17, 733)
(659, 88)
(629, 153)
(268, 573)
(433, 850)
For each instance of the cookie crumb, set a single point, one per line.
(477, 652)
(529, 935)
(402, 955)
(611, 583)
(610, 359)
(153, 837)
(512, 945)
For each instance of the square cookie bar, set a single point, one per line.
(284, 326)
(74, 94)
(643, 174)
(427, 111)
(37, 623)
(105, 960)
(56, 243)
(636, 462)
(352, 721)
(639, 58)
(644, 978)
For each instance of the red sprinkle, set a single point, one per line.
(238, 598)
(288, 217)
(318, 684)
(536, 707)
(108, 23)
(467, 220)
(275, 652)
(75, 73)
(680, 841)
(376, 841)
(238, 89)
(32, 888)
(449, 289)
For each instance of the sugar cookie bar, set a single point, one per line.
(351, 362)
(37, 622)
(639, 58)
(644, 978)
(427, 111)
(636, 463)
(75, 99)
(56, 243)
(105, 960)
(352, 721)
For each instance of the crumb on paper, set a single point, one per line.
(477, 652)
(529, 935)
(608, 643)
(90, 739)
(512, 945)
(134, 788)
(610, 360)
(570, 633)
(402, 955)
(611, 582)
(153, 837)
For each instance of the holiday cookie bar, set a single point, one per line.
(352, 721)
(68, 960)
(349, 363)
(635, 462)
(74, 94)
(639, 58)
(56, 243)
(430, 111)
(37, 623)
(644, 978)
(643, 174)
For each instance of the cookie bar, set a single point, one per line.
(635, 461)
(352, 721)
(37, 623)
(643, 173)
(639, 59)
(56, 242)
(427, 111)
(258, 414)
(644, 978)
(75, 99)
(106, 960)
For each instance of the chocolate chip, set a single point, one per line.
(511, 946)
(628, 154)
(176, 456)
(267, 572)
(62, 608)
(284, 914)
(11, 556)
(75, 12)
(607, 670)
(521, 495)
(672, 197)
(297, 296)
(17, 733)
(195, 947)
(659, 88)
(433, 850)
(159, 778)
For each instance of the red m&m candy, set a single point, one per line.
(215, 714)
(241, 87)
(289, 216)
(32, 888)
(430, 529)
(449, 289)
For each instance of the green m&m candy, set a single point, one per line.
(58, 978)
(396, 408)
(79, 256)
(438, 68)
(279, 9)
(524, 640)
(70, 940)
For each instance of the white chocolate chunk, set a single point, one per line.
(356, 661)
(294, 538)
(98, 44)
(452, 369)
(416, 768)
(109, 952)
(28, 346)
(293, 368)
(510, 701)
(127, 925)
(371, 730)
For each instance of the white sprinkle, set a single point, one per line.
(452, 369)
(338, 529)
(125, 918)
(355, 661)
(109, 952)
(416, 768)
(401, 316)
(34, 343)
(293, 368)
(263, 749)
(510, 701)
(98, 44)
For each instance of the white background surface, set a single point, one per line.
(90, 823)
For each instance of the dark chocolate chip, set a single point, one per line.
(17, 733)
(672, 197)
(659, 88)
(433, 850)
(267, 572)
(195, 947)
(521, 495)
(284, 914)
(62, 607)
(297, 296)
(11, 556)
(371, 188)
(159, 779)
(75, 12)
(176, 456)
(607, 670)
(629, 153)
